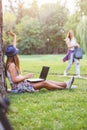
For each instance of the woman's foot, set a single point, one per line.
(65, 74)
(78, 76)
(70, 82)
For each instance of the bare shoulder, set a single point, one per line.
(11, 66)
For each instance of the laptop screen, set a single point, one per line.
(44, 72)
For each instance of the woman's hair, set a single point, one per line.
(14, 59)
(69, 36)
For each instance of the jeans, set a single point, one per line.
(70, 62)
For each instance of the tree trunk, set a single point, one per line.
(2, 68)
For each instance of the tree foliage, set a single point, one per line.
(43, 29)
(73, 21)
(29, 33)
(53, 25)
(82, 4)
(82, 33)
(39, 29)
(9, 20)
(82, 26)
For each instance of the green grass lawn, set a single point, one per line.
(50, 110)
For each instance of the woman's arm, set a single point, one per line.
(71, 46)
(14, 38)
(14, 76)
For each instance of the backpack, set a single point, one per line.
(78, 53)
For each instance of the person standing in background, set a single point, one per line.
(71, 45)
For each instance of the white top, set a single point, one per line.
(71, 42)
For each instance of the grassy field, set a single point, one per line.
(50, 110)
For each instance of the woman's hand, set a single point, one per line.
(22, 78)
(12, 34)
(30, 75)
(14, 37)
(77, 45)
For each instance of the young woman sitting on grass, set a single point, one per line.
(18, 82)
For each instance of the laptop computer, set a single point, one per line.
(42, 77)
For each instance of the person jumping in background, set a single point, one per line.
(71, 45)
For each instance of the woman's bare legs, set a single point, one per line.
(62, 84)
(50, 85)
